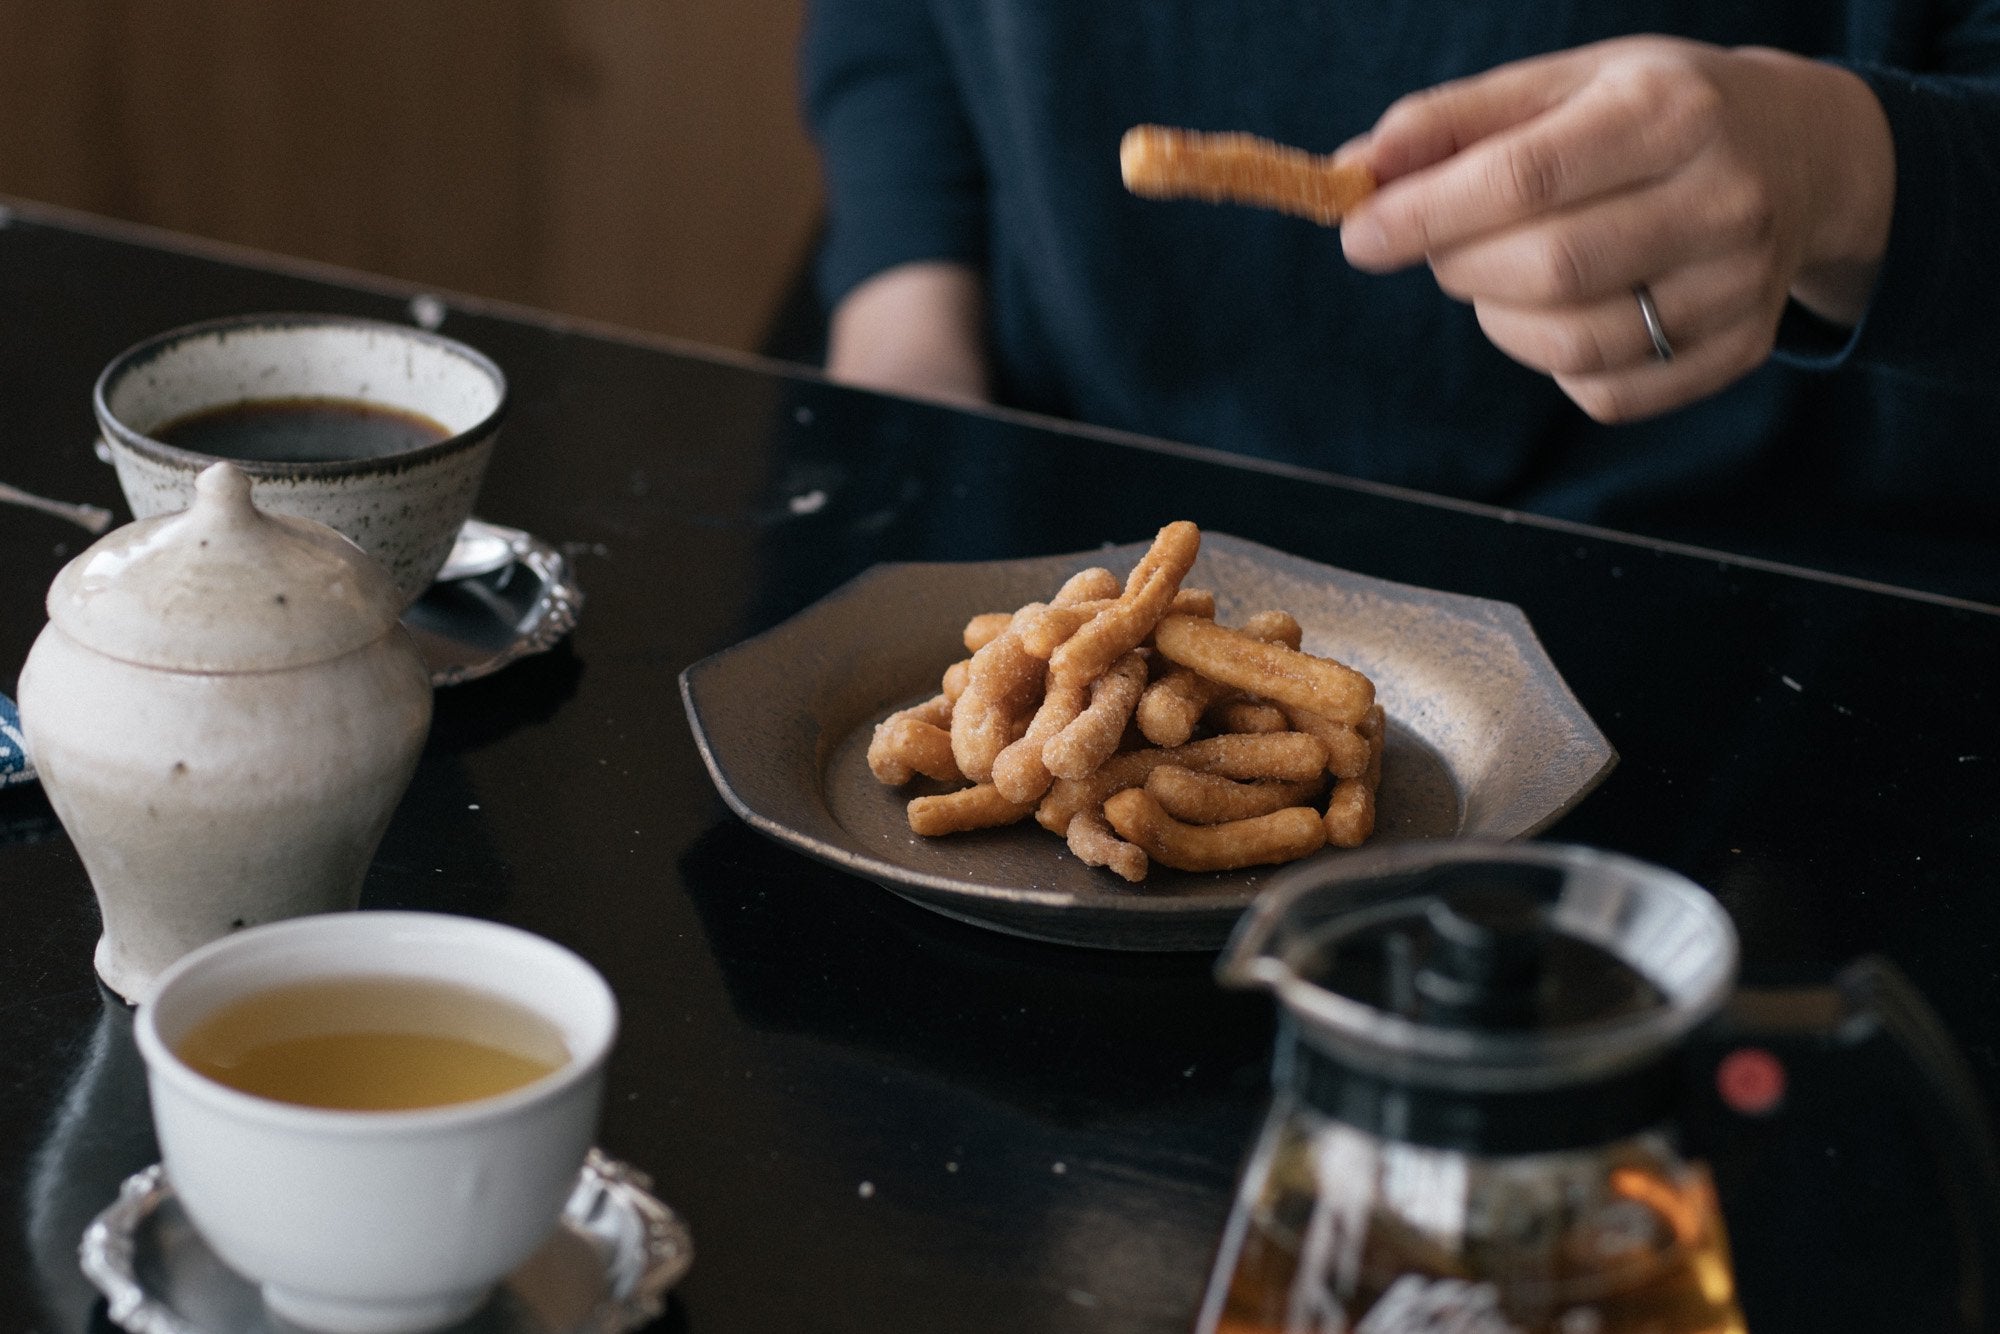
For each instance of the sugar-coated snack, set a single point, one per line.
(984, 628)
(1124, 625)
(1003, 687)
(914, 741)
(1199, 798)
(1094, 843)
(1269, 671)
(1093, 734)
(1020, 771)
(1161, 162)
(977, 807)
(1052, 712)
(1282, 836)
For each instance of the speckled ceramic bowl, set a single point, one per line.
(403, 508)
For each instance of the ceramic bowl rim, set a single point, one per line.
(119, 434)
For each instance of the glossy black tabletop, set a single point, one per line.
(875, 1118)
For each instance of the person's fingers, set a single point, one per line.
(1614, 132)
(1694, 303)
(1427, 127)
(1654, 387)
(1604, 246)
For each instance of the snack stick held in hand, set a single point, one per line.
(1163, 163)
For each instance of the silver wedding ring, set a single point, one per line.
(1656, 331)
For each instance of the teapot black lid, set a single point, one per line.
(1475, 947)
(1502, 996)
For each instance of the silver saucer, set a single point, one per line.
(473, 626)
(606, 1269)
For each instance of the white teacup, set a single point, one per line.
(366, 1222)
(403, 507)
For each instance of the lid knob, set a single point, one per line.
(223, 587)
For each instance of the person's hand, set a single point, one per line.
(1547, 192)
(917, 329)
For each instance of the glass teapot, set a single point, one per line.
(1481, 1112)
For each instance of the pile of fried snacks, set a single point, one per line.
(1126, 720)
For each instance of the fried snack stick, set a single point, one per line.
(1019, 771)
(984, 628)
(1172, 705)
(1093, 844)
(1043, 625)
(1248, 715)
(1090, 737)
(1124, 625)
(1198, 798)
(1270, 671)
(1281, 836)
(1347, 750)
(1086, 585)
(913, 741)
(978, 807)
(1044, 630)
(1287, 755)
(1350, 810)
(1003, 686)
(1163, 163)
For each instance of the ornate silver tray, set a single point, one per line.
(473, 626)
(606, 1269)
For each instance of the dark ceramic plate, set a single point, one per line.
(1485, 739)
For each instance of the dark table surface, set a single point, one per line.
(875, 1118)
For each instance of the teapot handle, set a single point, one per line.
(1871, 1014)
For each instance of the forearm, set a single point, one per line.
(915, 329)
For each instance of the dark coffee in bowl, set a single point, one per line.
(301, 430)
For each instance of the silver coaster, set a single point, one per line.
(473, 626)
(605, 1270)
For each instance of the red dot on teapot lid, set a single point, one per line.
(1750, 1080)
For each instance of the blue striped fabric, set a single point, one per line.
(14, 766)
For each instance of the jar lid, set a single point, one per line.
(223, 587)
(1488, 967)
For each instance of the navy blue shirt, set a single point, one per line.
(987, 131)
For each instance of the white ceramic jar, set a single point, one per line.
(224, 709)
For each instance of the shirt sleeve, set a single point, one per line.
(1932, 313)
(903, 175)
